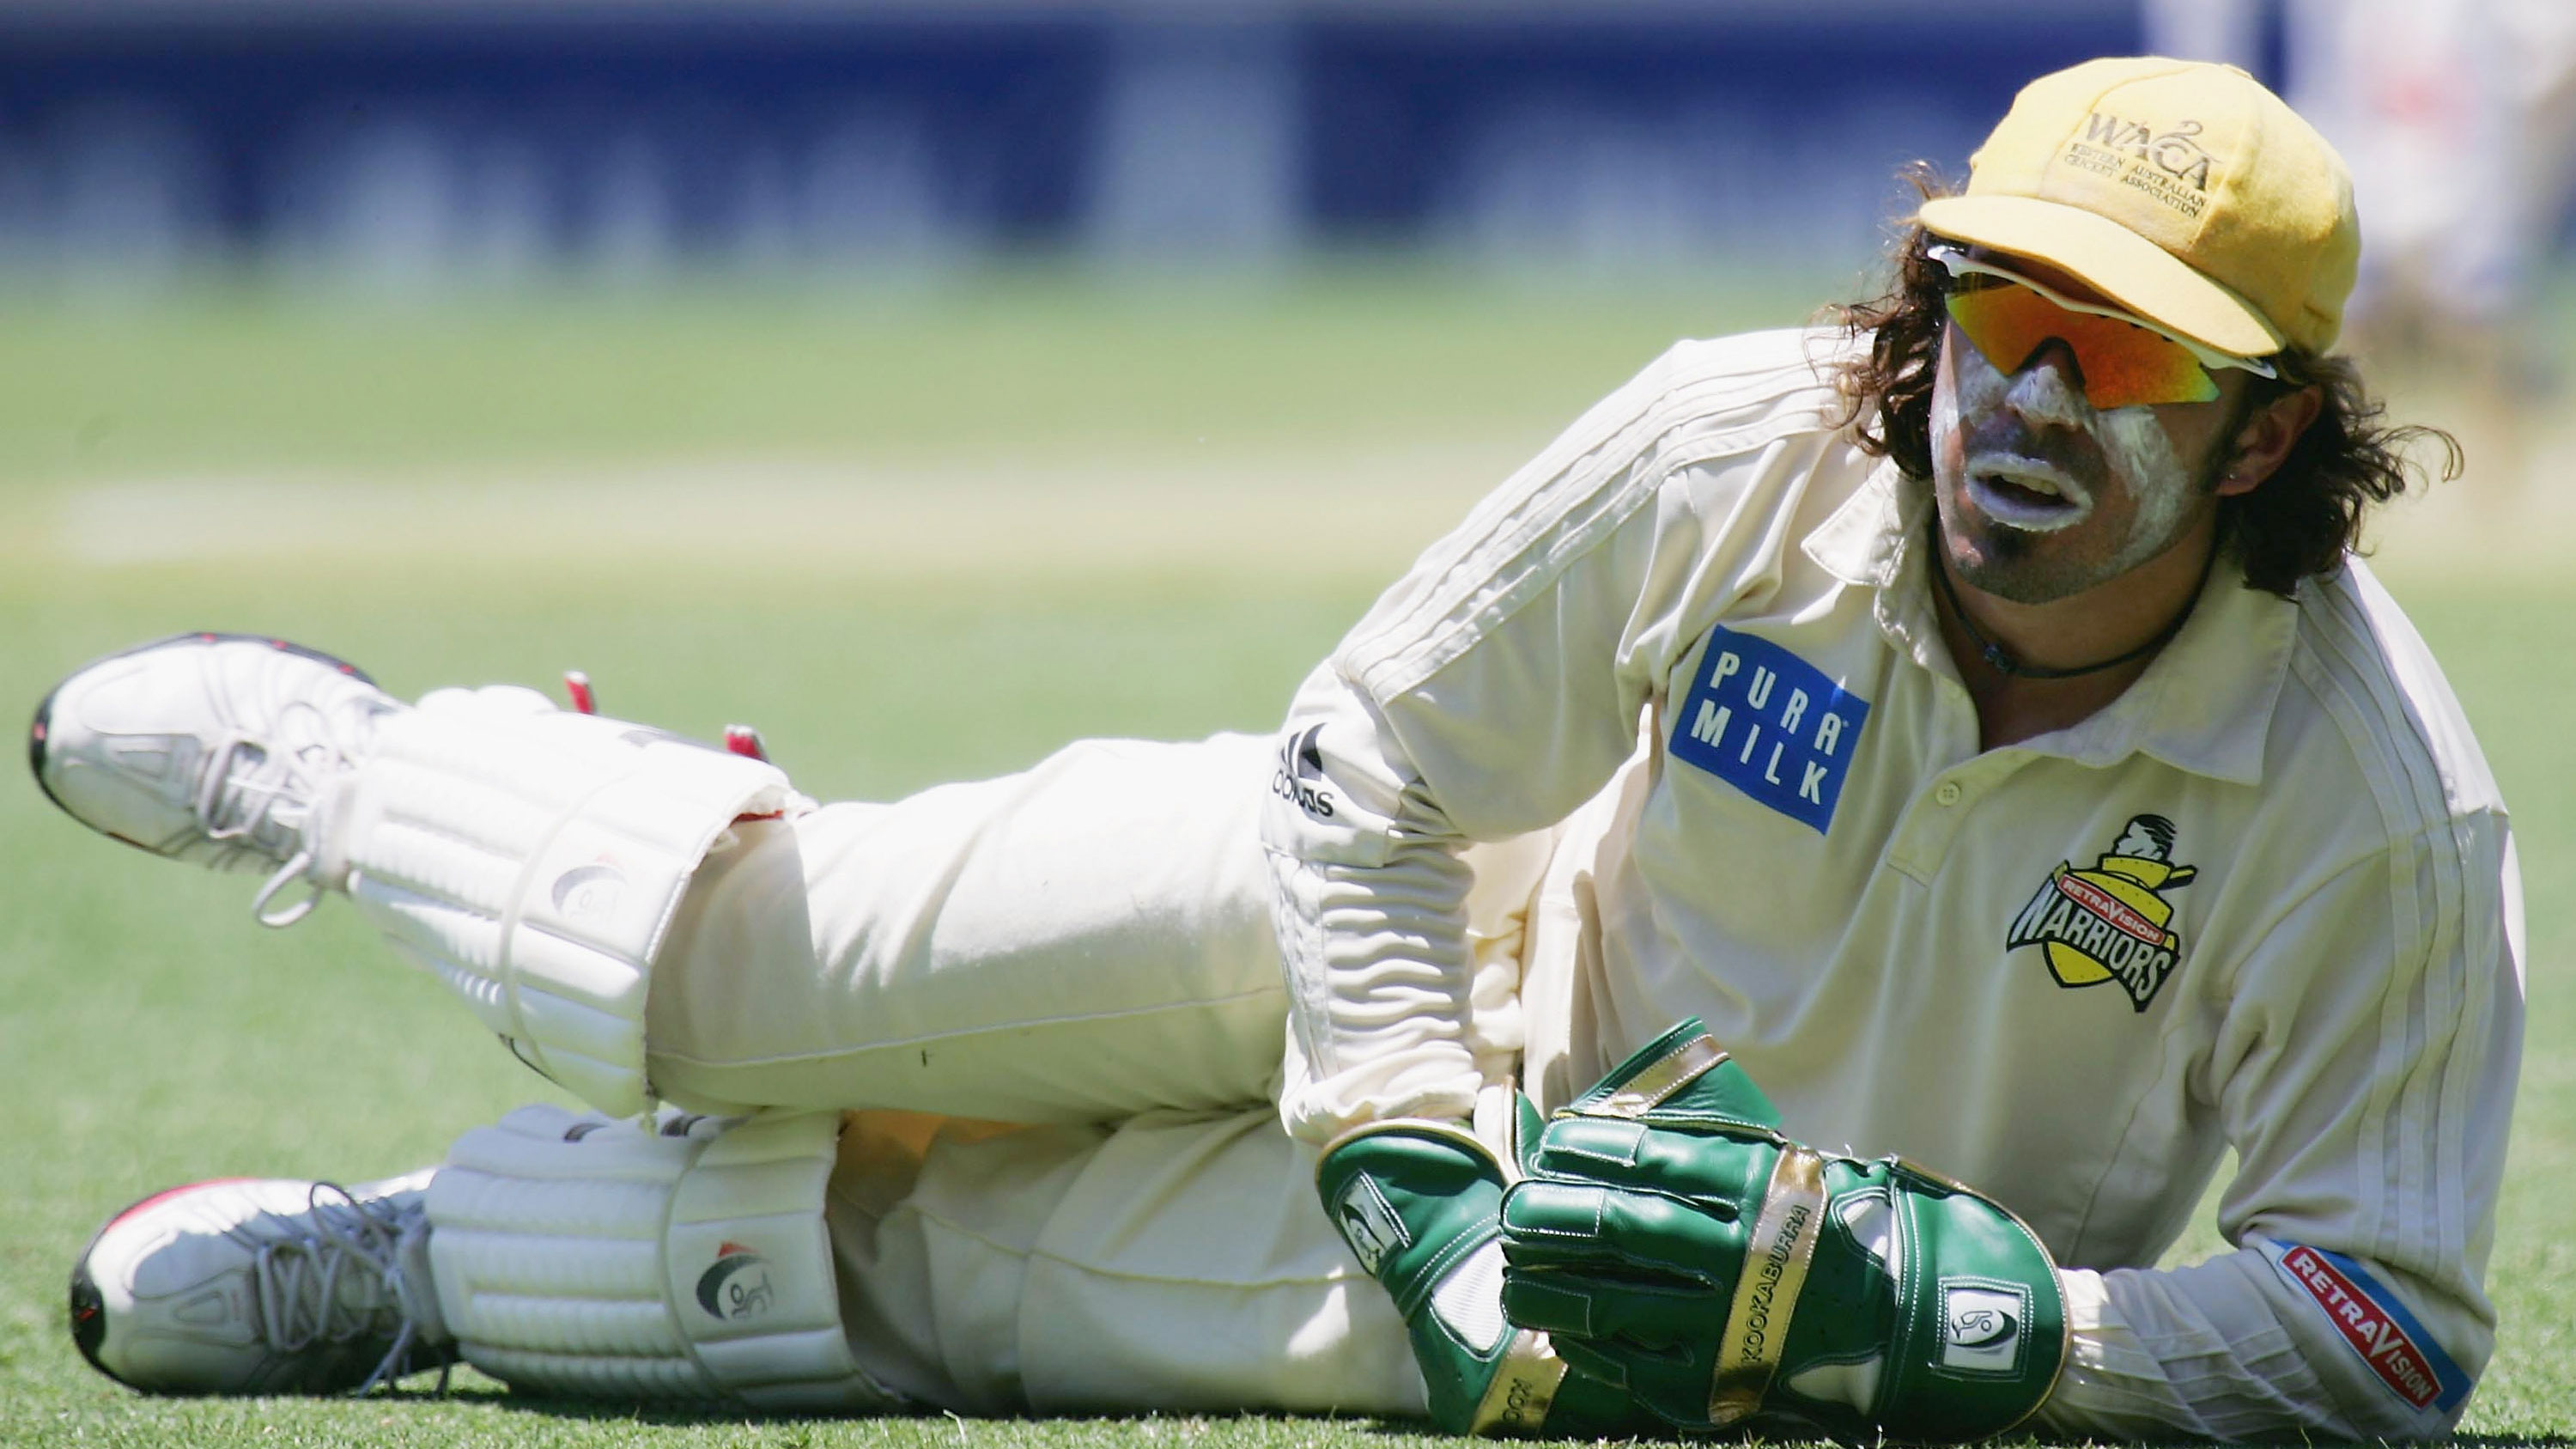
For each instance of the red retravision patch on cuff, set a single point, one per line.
(2391, 1342)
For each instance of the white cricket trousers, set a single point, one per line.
(1084, 950)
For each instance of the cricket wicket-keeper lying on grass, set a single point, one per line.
(1973, 717)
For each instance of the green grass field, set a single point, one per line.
(912, 538)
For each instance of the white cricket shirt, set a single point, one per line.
(2265, 899)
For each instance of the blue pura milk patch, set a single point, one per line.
(1770, 724)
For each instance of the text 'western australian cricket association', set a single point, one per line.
(1770, 724)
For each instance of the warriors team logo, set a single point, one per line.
(2108, 923)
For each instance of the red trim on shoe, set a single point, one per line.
(170, 1192)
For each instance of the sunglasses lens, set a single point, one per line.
(2124, 365)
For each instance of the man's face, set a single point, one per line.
(2040, 496)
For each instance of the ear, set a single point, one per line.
(2267, 437)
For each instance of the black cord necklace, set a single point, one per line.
(2000, 659)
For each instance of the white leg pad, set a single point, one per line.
(685, 1261)
(532, 858)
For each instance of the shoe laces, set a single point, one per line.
(254, 791)
(301, 1276)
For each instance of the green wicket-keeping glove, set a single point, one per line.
(1668, 1239)
(1419, 1203)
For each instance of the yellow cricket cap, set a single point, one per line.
(2184, 191)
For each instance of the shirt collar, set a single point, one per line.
(1859, 543)
(2205, 702)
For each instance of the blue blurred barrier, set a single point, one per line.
(410, 141)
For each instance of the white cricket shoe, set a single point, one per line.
(214, 748)
(253, 1286)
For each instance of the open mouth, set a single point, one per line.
(2034, 499)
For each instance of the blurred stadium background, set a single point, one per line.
(412, 144)
(419, 144)
(929, 383)
(225, 169)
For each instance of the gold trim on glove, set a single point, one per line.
(1523, 1388)
(1664, 1076)
(1766, 1291)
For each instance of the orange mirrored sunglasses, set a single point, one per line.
(2125, 362)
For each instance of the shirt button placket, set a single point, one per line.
(1939, 813)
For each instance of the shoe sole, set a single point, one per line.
(43, 723)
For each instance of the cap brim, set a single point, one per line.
(2115, 261)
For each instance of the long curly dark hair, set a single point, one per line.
(2300, 523)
